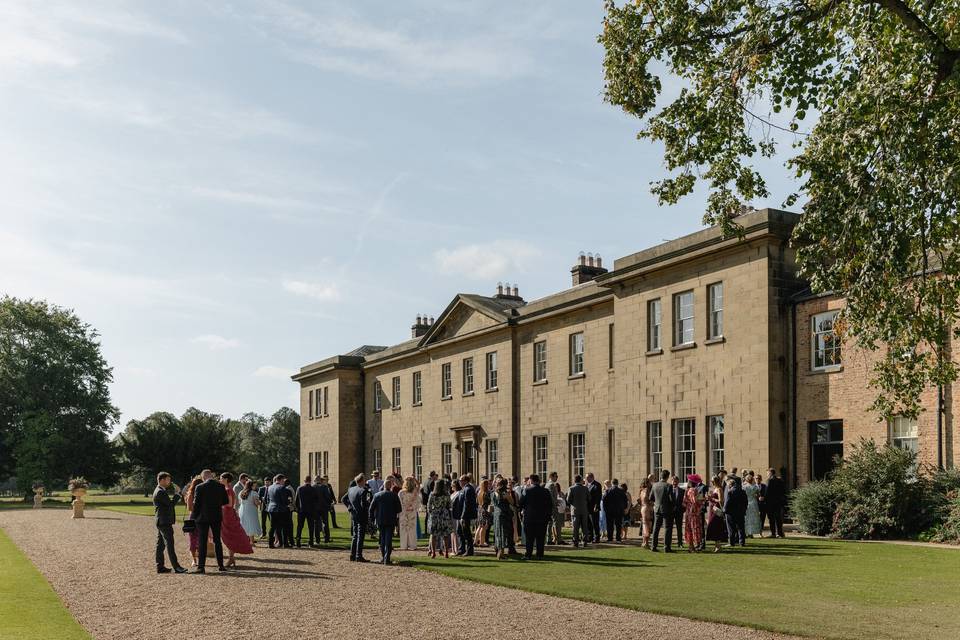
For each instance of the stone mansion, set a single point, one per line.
(695, 354)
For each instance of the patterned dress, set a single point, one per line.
(752, 520)
(502, 521)
(692, 523)
(439, 518)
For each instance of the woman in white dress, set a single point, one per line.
(752, 520)
(410, 502)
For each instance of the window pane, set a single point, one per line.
(685, 449)
(716, 443)
(653, 325)
(825, 342)
(539, 361)
(540, 455)
(655, 446)
(683, 317)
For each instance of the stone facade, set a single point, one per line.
(599, 416)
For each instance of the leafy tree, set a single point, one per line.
(248, 431)
(281, 444)
(879, 168)
(55, 411)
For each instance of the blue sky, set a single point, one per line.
(228, 191)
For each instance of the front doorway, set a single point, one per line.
(467, 457)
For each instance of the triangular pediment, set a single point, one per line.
(462, 317)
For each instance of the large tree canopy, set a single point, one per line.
(878, 170)
(55, 411)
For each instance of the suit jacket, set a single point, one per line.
(554, 489)
(735, 504)
(264, 497)
(677, 493)
(663, 498)
(307, 499)
(385, 509)
(456, 506)
(776, 493)
(469, 493)
(279, 497)
(596, 495)
(357, 501)
(426, 491)
(208, 500)
(537, 505)
(615, 501)
(164, 507)
(324, 497)
(578, 497)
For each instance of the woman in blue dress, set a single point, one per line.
(752, 522)
(250, 511)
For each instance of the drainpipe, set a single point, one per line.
(940, 427)
(792, 372)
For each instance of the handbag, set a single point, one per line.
(189, 525)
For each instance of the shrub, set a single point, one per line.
(949, 529)
(813, 506)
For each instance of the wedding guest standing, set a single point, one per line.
(384, 510)
(646, 512)
(409, 501)
(264, 501)
(503, 515)
(578, 496)
(761, 499)
(306, 512)
(249, 511)
(324, 498)
(775, 499)
(692, 503)
(679, 511)
(751, 523)
(280, 498)
(596, 495)
(238, 488)
(484, 510)
(716, 525)
(628, 501)
(357, 502)
(663, 511)
(164, 508)
(538, 513)
(209, 499)
(735, 509)
(192, 534)
(375, 484)
(232, 530)
(439, 518)
(556, 526)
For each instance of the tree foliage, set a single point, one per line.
(55, 410)
(879, 168)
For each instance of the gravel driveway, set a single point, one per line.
(103, 569)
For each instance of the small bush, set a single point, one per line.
(813, 506)
(949, 530)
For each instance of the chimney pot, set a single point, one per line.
(431, 320)
(599, 261)
(515, 292)
(499, 288)
(582, 259)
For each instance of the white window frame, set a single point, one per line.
(417, 456)
(377, 391)
(654, 325)
(395, 460)
(715, 310)
(896, 426)
(417, 388)
(493, 457)
(446, 457)
(578, 454)
(683, 325)
(378, 459)
(396, 392)
(491, 362)
(310, 404)
(540, 455)
(655, 446)
(717, 442)
(467, 376)
(684, 447)
(446, 380)
(576, 345)
(540, 361)
(819, 338)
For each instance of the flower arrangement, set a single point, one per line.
(78, 483)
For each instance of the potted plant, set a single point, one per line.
(78, 489)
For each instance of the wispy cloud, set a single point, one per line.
(216, 343)
(338, 41)
(251, 199)
(318, 291)
(487, 260)
(271, 371)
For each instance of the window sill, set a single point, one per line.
(417, 404)
(684, 347)
(326, 415)
(610, 369)
(831, 369)
(493, 390)
(654, 352)
(394, 408)
(445, 398)
(576, 376)
(717, 340)
(468, 394)
(537, 383)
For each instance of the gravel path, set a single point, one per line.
(103, 569)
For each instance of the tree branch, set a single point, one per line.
(946, 57)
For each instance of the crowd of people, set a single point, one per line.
(461, 515)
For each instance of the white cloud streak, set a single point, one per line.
(272, 371)
(487, 260)
(315, 290)
(216, 343)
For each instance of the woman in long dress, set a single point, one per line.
(716, 524)
(231, 531)
(692, 506)
(752, 525)
(409, 501)
(626, 514)
(484, 507)
(503, 511)
(250, 511)
(439, 519)
(646, 495)
(193, 535)
(603, 512)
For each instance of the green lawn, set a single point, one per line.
(801, 586)
(29, 609)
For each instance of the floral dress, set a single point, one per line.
(502, 521)
(692, 522)
(752, 520)
(439, 518)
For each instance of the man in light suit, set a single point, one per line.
(553, 486)
(280, 498)
(385, 510)
(375, 484)
(663, 511)
(578, 496)
(208, 500)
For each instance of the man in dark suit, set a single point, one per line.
(735, 510)
(538, 511)
(324, 501)
(264, 501)
(663, 511)
(279, 497)
(165, 509)
(208, 500)
(615, 506)
(468, 514)
(678, 511)
(385, 510)
(596, 495)
(306, 504)
(578, 496)
(775, 500)
(357, 502)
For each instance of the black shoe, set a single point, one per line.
(668, 551)
(469, 553)
(273, 546)
(199, 570)
(163, 570)
(179, 570)
(361, 560)
(221, 568)
(655, 550)
(562, 543)
(524, 558)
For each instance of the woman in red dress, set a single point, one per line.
(231, 531)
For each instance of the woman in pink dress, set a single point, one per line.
(231, 531)
(692, 521)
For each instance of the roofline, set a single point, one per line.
(328, 364)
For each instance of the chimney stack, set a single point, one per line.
(506, 292)
(420, 326)
(587, 268)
